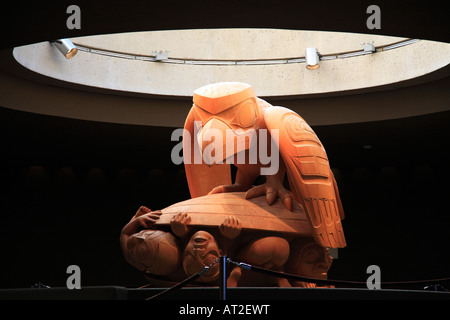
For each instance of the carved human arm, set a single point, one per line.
(179, 224)
(230, 228)
(143, 218)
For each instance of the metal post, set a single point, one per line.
(223, 278)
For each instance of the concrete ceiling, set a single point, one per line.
(28, 91)
(271, 60)
(24, 90)
(39, 22)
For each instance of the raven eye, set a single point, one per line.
(246, 116)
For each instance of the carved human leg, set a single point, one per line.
(268, 252)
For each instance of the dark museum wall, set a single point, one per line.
(69, 186)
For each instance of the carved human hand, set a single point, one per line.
(272, 189)
(144, 218)
(142, 210)
(230, 227)
(147, 219)
(179, 223)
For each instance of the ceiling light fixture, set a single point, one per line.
(66, 47)
(369, 47)
(312, 59)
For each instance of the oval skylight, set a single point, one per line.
(177, 62)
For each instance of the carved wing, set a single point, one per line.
(310, 177)
(201, 178)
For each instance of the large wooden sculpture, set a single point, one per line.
(283, 228)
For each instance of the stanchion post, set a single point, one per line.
(223, 278)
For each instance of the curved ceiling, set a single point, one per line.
(271, 60)
(32, 24)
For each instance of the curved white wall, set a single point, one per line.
(278, 80)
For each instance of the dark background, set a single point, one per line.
(69, 186)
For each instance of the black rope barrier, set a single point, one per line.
(294, 276)
(327, 281)
(223, 272)
(182, 283)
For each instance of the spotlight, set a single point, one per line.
(161, 56)
(66, 47)
(369, 47)
(312, 59)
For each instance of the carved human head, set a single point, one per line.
(154, 251)
(201, 251)
(308, 259)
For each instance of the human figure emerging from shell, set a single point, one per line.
(284, 229)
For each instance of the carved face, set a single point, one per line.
(201, 251)
(154, 251)
(316, 261)
(311, 260)
(225, 123)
